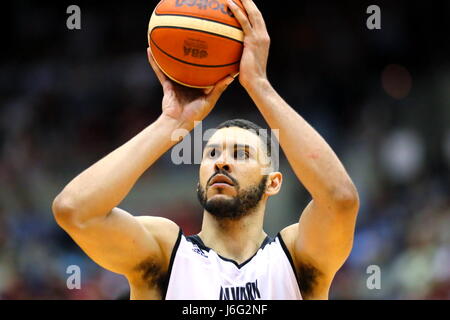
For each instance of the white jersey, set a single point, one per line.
(197, 272)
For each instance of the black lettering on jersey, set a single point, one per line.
(196, 249)
(244, 295)
(248, 292)
(235, 294)
(255, 289)
(224, 294)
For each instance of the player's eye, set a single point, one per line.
(241, 154)
(213, 153)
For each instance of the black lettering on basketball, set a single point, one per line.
(226, 11)
(195, 48)
(191, 3)
(214, 4)
(205, 5)
(202, 4)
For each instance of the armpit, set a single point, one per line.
(307, 276)
(153, 275)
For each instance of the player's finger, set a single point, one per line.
(208, 90)
(219, 88)
(163, 79)
(161, 76)
(254, 15)
(240, 16)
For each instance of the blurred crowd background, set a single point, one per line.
(381, 98)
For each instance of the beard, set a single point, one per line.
(239, 206)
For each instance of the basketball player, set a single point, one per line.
(232, 257)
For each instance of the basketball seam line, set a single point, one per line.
(190, 63)
(199, 18)
(197, 30)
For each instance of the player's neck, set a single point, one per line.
(234, 239)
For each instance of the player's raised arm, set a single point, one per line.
(322, 240)
(87, 207)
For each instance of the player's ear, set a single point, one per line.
(274, 182)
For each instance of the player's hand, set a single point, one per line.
(184, 104)
(256, 44)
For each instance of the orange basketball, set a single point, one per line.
(195, 42)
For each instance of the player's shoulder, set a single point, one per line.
(289, 235)
(313, 283)
(153, 223)
(164, 230)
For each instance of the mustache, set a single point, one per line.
(223, 173)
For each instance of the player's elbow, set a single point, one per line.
(64, 211)
(346, 199)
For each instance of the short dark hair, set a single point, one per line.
(266, 136)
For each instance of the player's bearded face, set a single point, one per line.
(235, 206)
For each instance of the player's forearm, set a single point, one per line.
(310, 156)
(101, 187)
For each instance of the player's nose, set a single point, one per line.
(222, 165)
